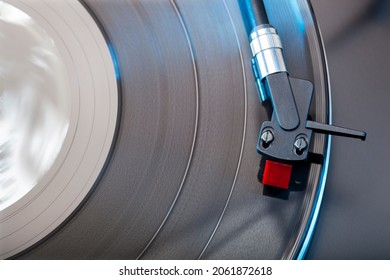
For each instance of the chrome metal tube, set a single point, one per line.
(267, 51)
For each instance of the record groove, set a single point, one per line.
(195, 131)
(243, 136)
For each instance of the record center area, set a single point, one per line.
(35, 104)
(53, 104)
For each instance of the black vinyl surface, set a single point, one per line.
(354, 222)
(182, 180)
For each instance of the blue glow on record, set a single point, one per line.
(114, 60)
(298, 16)
(322, 183)
(317, 206)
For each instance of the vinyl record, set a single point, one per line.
(181, 180)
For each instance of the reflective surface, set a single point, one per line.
(34, 103)
(182, 181)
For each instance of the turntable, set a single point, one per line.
(150, 130)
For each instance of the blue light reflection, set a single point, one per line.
(114, 60)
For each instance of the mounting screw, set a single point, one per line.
(300, 145)
(267, 137)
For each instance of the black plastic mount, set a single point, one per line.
(287, 136)
(282, 142)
